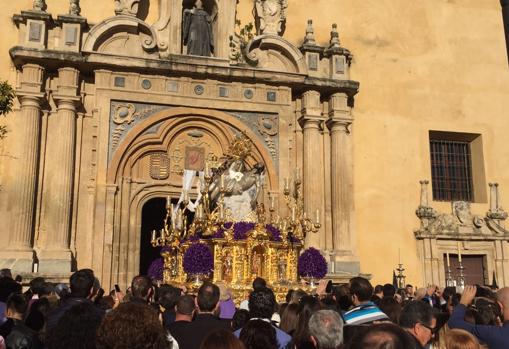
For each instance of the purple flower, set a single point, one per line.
(311, 263)
(240, 230)
(155, 270)
(198, 259)
(274, 232)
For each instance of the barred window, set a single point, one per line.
(451, 170)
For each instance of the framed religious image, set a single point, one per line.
(195, 158)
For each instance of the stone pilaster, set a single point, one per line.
(313, 185)
(344, 240)
(18, 254)
(55, 257)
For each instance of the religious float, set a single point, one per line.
(226, 235)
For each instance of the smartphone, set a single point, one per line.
(117, 289)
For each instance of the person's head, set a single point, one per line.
(141, 287)
(409, 290)
(382, 336)
(81, 284)
(290, 318)
(7, 287)
(342, 295)
(391, 307)
(460, 339)
(361, 290)
(288, 297)
(131, 325)
(62, 290)
(167, 296)
(308, 305)
(240, 318)
(16, 306)
(222, 339)
(5, 273)
(47, 289)
(262, 303)
(259, 283)
(208, 297)
(36, 284)
(76, 328)
(503, 301)
(417, 318)
(259, 334)
(378, 291)
(388, 290)
(326, 329)
(487, 311)
(225, 293)
(186, 306)
(297, 295)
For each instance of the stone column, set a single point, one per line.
(313, 185)
(59, 174)
(18, 254)
(344, 244)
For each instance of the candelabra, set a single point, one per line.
(297, 224)
(401, 277)
(449, 280)
(461, 277)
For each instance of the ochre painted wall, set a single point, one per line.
(422, 65)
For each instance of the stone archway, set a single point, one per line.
(147, 165)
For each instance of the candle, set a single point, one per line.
(222, 182)
(207, 169)
(272, 202)
(198, 212)
(448, 261)
(293, 213)
(153, 235)
(459, 252)
(162, 233)
(168, 202)
(287, 184)
(296, 173)
(317, 216)
(221, 212)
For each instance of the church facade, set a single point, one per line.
(115, 103)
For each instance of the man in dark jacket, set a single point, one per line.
(496, 337)
(191, 335)
(82, 289)
(21, 336)
(417, 319)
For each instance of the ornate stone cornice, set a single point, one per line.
(178, 65)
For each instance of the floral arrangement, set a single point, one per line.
(155, 270)
(198, 259)
(311, 263)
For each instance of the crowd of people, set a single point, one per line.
(80, 315)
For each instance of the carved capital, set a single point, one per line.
(311, 105)
(31, 79)
(67, 81)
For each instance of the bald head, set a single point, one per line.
(503, 296)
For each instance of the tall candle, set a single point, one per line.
(287, 184)
(293, 213)
(162, 233)
(272, 202)
(448, 261)
(297, 174)
(153, 235)
(459, 252)
(317, 216)
(207, 169)
(222, 182)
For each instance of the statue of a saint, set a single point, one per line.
(197, 31)
(243, 188)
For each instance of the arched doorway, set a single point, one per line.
(152, 216)
(148, 164)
